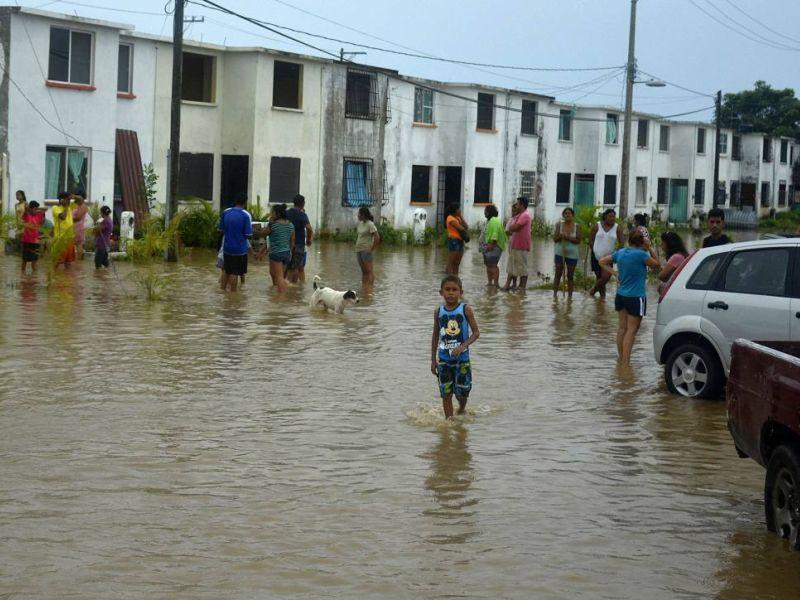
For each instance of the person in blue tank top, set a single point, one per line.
(454, 331)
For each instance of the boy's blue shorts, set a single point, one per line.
(455, 378)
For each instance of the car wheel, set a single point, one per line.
(694, 372)
(782, 495)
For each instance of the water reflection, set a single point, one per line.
(450, 479)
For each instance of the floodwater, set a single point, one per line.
(242, 446)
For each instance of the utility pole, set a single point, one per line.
(718, 119)
(175, 120)
(626, 132)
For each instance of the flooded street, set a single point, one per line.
(243, 446)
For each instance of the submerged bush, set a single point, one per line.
(198, 225)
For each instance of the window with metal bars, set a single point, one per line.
(361, 101)
(699, 192)
(485, 111)
(358, 184)
(423, 106)
(528, 117)
(527, 184)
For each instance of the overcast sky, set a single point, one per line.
(675, 40)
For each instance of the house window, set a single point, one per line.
(612, 128)
(483, 186)
(565, 125)
(65, 169)
(563, 181)
(70, 56)
(734, 200)
(526, 184)
(699, 192)
(357, 183)
(643, 132)
(284, 179)
(485, 111)
(701, 141)
(723, 143)
(641, 191)
(765, 199)
(196, 179)
(767, 150)
(528, 117)
(125, 69)
(198, 78)
(736, 150)
(663, 190)
(781, 193)
(361, 96)
(784, 151)
(287, 85)
(421, 184)
(423, 106)
(610, 189)
(663, 139)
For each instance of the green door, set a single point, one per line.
(679, 200)
(584, 191)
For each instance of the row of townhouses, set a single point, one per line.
(84, 103)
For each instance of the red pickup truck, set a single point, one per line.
(763, 400)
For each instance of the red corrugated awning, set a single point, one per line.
(131, 177)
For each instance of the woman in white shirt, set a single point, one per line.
(605, 237)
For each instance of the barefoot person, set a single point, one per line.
(32, 220)
(79, 221)
(280, 232)
(495, 242)
(303, 236)
(519, 244)
(456, 237)
(236, 226)
(604, 238)
(454, 331)
(63, 232)
(567, 236)
(367, 240)
(631, 299)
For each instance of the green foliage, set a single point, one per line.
(764, 110)
(8, 223)
(258, 212)
(198, 225)
(785, 221)
(150, 181)
(154, 240)
(581, 279)
(541, 228)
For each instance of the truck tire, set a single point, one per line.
(782, 494)
(694, 371)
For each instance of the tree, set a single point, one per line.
(763, 110)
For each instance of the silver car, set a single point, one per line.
(745, 290)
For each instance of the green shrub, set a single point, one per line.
(198, 225)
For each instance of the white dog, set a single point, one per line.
(332, 299)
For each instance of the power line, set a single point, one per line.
(758, 40)
(768, 28)
(440, 59)
(119, 10)
(760, 36)
(680, 87)
(398, 77)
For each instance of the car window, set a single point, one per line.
(761, 272)
(701, 279)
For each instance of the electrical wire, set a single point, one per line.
(680, 87)
(776, 44)
(119, 10)
(767, 27)
(759, 40)
(542, 86)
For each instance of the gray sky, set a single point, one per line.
(675, 40)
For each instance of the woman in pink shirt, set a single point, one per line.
(675, 251)
(79, 221)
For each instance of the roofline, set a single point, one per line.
(493, 88)
(46, 14)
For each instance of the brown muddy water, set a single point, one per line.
(242, 446)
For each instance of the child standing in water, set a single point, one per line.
(454, 331)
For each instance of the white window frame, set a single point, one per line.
(613, 118)
(705, 141)
(723, 149)
(422, 91)
(72, 30)
(130, 69)
(636, 201)
(63, 184)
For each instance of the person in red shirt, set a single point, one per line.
(519, 244)
(32, 220)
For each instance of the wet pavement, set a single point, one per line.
(240, 446)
